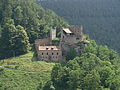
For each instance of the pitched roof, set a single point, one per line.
(49, 48)
(67, 30)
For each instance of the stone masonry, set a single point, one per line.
(70, 37)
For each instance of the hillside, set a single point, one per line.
(21, 73)
(100, 18)
(21, 23)
(98, 68)
(24, 21)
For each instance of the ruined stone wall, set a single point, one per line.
(42, 42)
(75, 38)
(50, 55)
(77, 30)
(71, 39)
(68, 41)
(65, 48)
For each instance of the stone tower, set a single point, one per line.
(70, 38)
(53, 33)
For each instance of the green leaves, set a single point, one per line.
(24, 21)
(14, 40)
(94, 70)
(71, 54)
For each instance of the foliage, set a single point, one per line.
(71, 54)
(100, 18)
(96, 69)
(31, 16)
(56, 41)
(21, 22)
(25, 74)
(14, 40)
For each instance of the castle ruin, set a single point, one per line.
(70, 38)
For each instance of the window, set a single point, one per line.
(47, 48)
(42, 53)
(52, 53)
(47, 53)
(63, 36)
(52, 48)
(57, 53)
(77, 38)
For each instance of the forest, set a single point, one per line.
(22, 22)
(96, 69)
(100, 18)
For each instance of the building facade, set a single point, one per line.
(69, 38)
(50, 53)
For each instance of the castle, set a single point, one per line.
(70, 38)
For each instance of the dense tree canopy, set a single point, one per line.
(24, 21)
(14, 40)
(100, 18)
(97, 69)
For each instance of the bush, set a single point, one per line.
(56, 41)
(1, 70)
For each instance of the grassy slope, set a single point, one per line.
(25, 75)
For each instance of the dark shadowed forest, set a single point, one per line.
(100, 18)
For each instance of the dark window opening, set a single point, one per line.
(52, 48)
(63, 36)
(52, 53)
(42, 53)
(77, 38)
(57, 53)
(47, 53)
(47, 48)
(71, 34)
